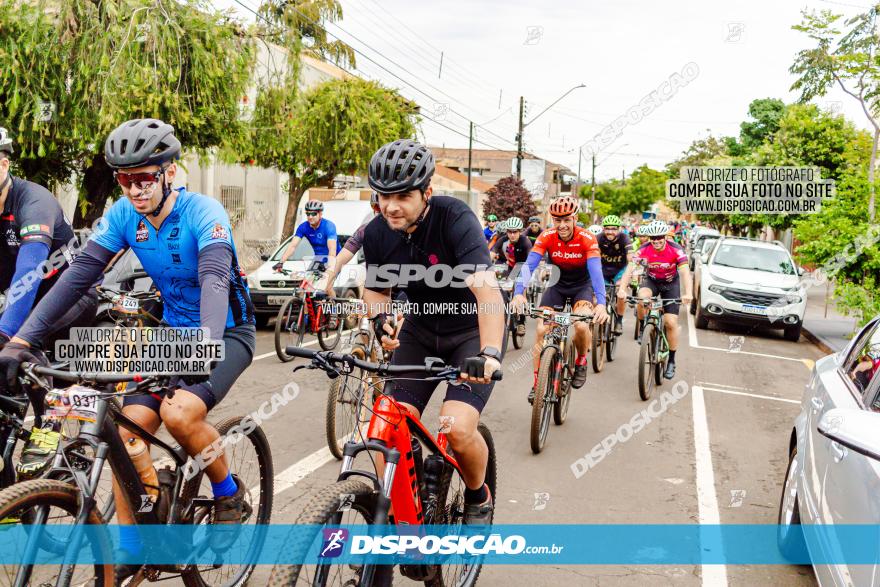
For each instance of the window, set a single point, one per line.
(863, 361)
(232, 198)
(754, 258)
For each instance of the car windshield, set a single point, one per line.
(303, 249)
(754, 258)
(707, 245)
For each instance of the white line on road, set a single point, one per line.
(300, 469)
(692, 337)
(310, 343)
(707, 501)
(757, 395)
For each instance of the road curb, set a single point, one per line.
(823, 346)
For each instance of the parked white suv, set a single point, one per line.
(750, 281)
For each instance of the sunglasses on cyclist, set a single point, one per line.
(138, 180)
(311, 214)
(658, 238)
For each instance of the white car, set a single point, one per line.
(750, 281)
(831, 482)
(269, 289)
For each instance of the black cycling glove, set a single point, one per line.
(13, 355)
(379, 322)
(474, 366)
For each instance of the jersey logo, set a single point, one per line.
(11, 237)
(34, 228)
(174, 232)
(142, 234)
(219, 232)
(175, 258)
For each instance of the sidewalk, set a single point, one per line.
(831, 332)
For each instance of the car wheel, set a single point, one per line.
(793, 333)
(701, 321)
(789, 535)
(262, 320)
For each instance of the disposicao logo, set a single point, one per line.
(334, 542)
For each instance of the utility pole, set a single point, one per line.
(470, 158)
(593, 186)
(577, 182)
(519, 139)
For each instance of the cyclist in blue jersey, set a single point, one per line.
(321, 234)
(489, 231)
(184, 242)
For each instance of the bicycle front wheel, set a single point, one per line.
(330, 332)
(346, 408)
(560, 407)
(545, 397)
(610, 337)
(250, 459)
(285, 328)
(54, 504)
(647, 358)
(324, 510)
(597, 347)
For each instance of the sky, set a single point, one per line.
(722, 54)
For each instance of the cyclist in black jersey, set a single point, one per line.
(534, 230)
(419, 231)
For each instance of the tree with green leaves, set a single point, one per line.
(507, 198)
(301, 22)
(847, 59)
(331, 129)
(644, 187)
(765, 114)
(75, 69)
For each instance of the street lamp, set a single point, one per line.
(523, 125)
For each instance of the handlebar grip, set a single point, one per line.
(296, 351)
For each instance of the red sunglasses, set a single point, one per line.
(139, 180)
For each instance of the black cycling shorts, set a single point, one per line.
(240, 342)
(666, 290)
(416, 344)
(556, 296)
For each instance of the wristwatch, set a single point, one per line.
(491, 352)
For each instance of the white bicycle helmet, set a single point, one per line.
(656, 228)
(513, 223)
(595, 229)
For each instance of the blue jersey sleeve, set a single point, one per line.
(330, 230)
(212, 224)
(301, 230)
(110, 233)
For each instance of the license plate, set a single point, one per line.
(73, 403)
(759, 310)
(277, 300)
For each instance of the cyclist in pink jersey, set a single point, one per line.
(666, 268)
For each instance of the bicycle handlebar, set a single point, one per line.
(432, 366)
(92, 377)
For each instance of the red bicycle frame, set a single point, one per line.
(391, 430)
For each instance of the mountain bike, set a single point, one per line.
(555, 371)
(308, 311)
(67, 494)
(613, 320)
(536, 285)
(347, 403)
(654, 351)
(418, 490)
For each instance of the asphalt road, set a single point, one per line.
(716, 455)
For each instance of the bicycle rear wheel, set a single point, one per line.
(461, 572)
(330, 331)
(323, 510)
(346, 408)
(517, 339)
(647, 358)
(57, 501)
(545, 396)
(286, 328)
(251, 462)
(560, 407)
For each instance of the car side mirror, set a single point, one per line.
(858, 430)
(264, 257)
(800, 270)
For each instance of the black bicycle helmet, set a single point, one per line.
(141, 142)
(401, 166)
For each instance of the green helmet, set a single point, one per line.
(611, 220)
(513, 223)
(491, 218)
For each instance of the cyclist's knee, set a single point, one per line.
(182, 412)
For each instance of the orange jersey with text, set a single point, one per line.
(571, 255)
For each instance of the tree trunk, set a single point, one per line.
(295, 191)
(97, 185)
(871, 175)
